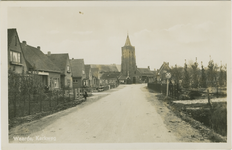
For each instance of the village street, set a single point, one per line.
(129, 113)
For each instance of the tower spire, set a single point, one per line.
(127, 41)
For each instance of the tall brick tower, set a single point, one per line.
(128, 64)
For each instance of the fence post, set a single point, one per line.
(29, 104)
(63, 91)
(57, 97)
(50, 99)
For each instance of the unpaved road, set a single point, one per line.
(129, 113)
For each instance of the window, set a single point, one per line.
(15, 57)
(83, 72)
(67, 68)
(56, 82)
(75, 81)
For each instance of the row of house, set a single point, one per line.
(59, 71)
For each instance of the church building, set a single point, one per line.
(128, 63)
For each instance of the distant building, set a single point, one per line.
(104, 68)
(145, 75)
(16, 60)
(128, 62)
(110, 79)
(160, 74)
(63, 63)
(78, 72)
(38, 62)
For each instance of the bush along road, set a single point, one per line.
(211, 124)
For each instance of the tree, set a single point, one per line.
(176, 73)
(194, 75)
(203, 78)
(212, 74)
(221, 78)
(186, 78)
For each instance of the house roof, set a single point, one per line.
(60, 60)
(87, 69)
(127, 43)
(95, 72)
(36, 58)
(105, 68)
(164, 66)
(145, 71)
(77, 66)
(123, 77)
(110, 75)
(10, 33)
(118, 67)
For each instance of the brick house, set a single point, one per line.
(16, 59)
(37, 61)
(63, 63)
(78, 72)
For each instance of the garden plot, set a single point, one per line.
(199, 110)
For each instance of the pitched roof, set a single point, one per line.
(118, 67)
(95, 72)
(36, 58)
(60, 60)
(87, 69)
(110, 75)
(77, 66)
(164, 66)
(127, 43)
(144, 71)
(105, 68)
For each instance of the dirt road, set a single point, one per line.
(129, 113)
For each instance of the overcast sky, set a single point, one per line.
(160, 31)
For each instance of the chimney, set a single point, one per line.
(25, 43)
(38, 47)
(49, 53)
(148, 67)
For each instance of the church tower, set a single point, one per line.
(128, 64)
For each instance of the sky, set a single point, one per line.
(160, 31)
